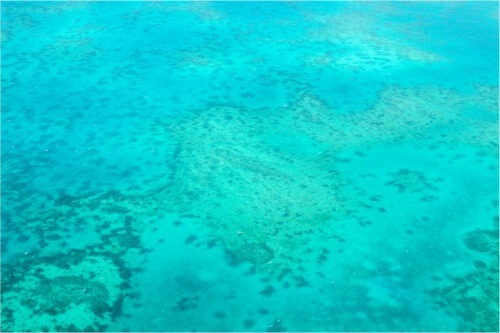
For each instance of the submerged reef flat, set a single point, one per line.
(81, 276)
(365, 48)
(248, 192)
(401, 113)
(274, 166)
(474, 296)
(59, 295)
(228, 173)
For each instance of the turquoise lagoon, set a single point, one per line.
(272, 166)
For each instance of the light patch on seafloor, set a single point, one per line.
(355, 45)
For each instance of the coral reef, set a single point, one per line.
(415, 182)
(74, 284)
(249, 193)
(361, 47)
(473, 297)
(257, 254)
(203, 166)
(482, 240)
(83, 294)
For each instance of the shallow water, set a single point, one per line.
(249, 166)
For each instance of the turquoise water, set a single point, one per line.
(277, 166)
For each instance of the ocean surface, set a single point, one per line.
(249, 166)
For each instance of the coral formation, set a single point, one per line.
(257, 254)
(81, 284)
(409, 181)
(482, 240)
(473, 297)
(143, 144)
(249, 193)
(83, 295)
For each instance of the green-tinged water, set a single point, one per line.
(239, 166)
